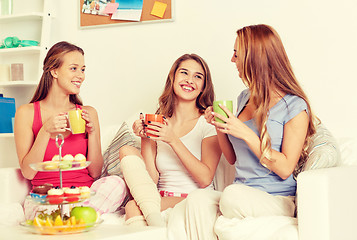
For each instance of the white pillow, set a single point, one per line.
(323, 151)
(348, 148)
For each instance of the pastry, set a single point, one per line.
(39, 193)
(72, 194)
(50, 165)
(55, 195)
(85, 192)
(42, 189)
(81, 159)
(65, 164)
(68, 157)
(56, 158)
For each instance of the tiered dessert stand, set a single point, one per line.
(63, 229)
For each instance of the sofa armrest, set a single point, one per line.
(13, 186)
(327, 203)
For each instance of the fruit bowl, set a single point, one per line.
(69, 227)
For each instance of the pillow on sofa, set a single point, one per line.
(323, 151)
(348, 147)
(124, 136)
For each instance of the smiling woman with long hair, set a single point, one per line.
(266, 140)
(184, 155)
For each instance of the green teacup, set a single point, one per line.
(219, 110)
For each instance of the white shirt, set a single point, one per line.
(174, 177)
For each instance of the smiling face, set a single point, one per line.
(189, 80)
(70, 74)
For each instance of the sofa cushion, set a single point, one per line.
(323, 151)
(124, 136)
(348, 148)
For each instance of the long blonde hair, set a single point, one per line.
(167, 98)
(265, 66)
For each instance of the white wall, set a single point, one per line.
(127, 65)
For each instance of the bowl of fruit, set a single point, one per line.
(81, 219)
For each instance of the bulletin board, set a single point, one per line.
(152, 11)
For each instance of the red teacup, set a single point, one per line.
(153, 118)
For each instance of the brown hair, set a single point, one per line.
(167, 98)
(54, 60)
(264, 66)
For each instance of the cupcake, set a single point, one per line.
(53, 164)
(66, 162)
(68, 157)
(85, 192)
(39, 193)
(55, 195)
(56, 158)
(81, 159)
(72, 194)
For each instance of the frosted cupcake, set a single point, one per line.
(68, 157)
(55, 195)
(39, 193)
(85, 192)
(66, 162)
(72, 194)
(56, 158)
(81, 159)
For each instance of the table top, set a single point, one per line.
(102, 232)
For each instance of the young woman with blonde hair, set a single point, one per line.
(266, 140)
(184, 155)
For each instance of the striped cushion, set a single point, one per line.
(111, 165)
(323, 150)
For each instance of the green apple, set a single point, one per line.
(88, 214)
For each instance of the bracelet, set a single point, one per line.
(264, 165)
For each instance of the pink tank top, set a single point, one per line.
(73, 144)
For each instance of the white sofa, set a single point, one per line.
(327, 206)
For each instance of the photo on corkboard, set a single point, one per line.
(98, 13)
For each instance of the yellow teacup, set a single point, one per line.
(76, 123)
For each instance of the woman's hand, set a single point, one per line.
(163, 131)
(208, 114)
(56, 124)
(139, 127)
(232, 125)
(89, 124)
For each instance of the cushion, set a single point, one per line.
(348, 147)
(323, 151)
(124, 136)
